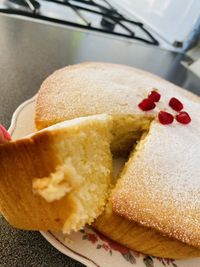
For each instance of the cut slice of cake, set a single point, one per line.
(57, 178)
(60, 178)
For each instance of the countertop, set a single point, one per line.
(29, 52)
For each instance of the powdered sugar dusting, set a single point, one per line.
(94, 88)
(161, 186)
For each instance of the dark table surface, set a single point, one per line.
(29, 52)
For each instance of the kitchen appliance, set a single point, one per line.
(97, 15)
(156, 24)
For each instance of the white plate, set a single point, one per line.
(88, 246)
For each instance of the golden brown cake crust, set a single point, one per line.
(140, 238)
(22, 208)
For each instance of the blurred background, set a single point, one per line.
(168, 24)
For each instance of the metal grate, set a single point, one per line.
(110, 17)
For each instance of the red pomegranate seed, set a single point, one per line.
(5, 136)
(146, 104)
(154, 96)
(183, 117)
(175, 104)
(165, 117)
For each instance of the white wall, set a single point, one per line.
(173, 20)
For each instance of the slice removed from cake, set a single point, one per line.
(57, 178)
(60, 178)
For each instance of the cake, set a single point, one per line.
(155, 205)
(58, 178)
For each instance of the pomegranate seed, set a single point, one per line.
(154, 96)
(4, 135)
(146, 104)
(175, 104)
(183, 117)
(165, 117)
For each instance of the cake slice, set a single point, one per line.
(59, 177)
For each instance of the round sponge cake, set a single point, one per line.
(159, 188)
